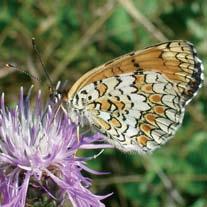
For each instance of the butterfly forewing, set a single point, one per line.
(138, 100)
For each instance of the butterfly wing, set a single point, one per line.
(137, 112)
(177, 60)
(138, 100)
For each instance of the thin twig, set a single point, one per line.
(151, 165)
(139, 178)
(80, 45)
(140, 18)
(119, 180)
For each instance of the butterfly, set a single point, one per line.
(138, 100)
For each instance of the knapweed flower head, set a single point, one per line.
(38, 149)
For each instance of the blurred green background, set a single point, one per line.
(76, 36)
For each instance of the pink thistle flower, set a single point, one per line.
(38, 150)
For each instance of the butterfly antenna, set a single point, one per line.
(43, 66)
(12, 66)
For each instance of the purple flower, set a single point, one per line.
(38, 153)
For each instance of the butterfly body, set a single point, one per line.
(138, 100)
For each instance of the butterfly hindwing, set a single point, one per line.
(135, 115)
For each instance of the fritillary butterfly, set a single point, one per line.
(138, 100)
